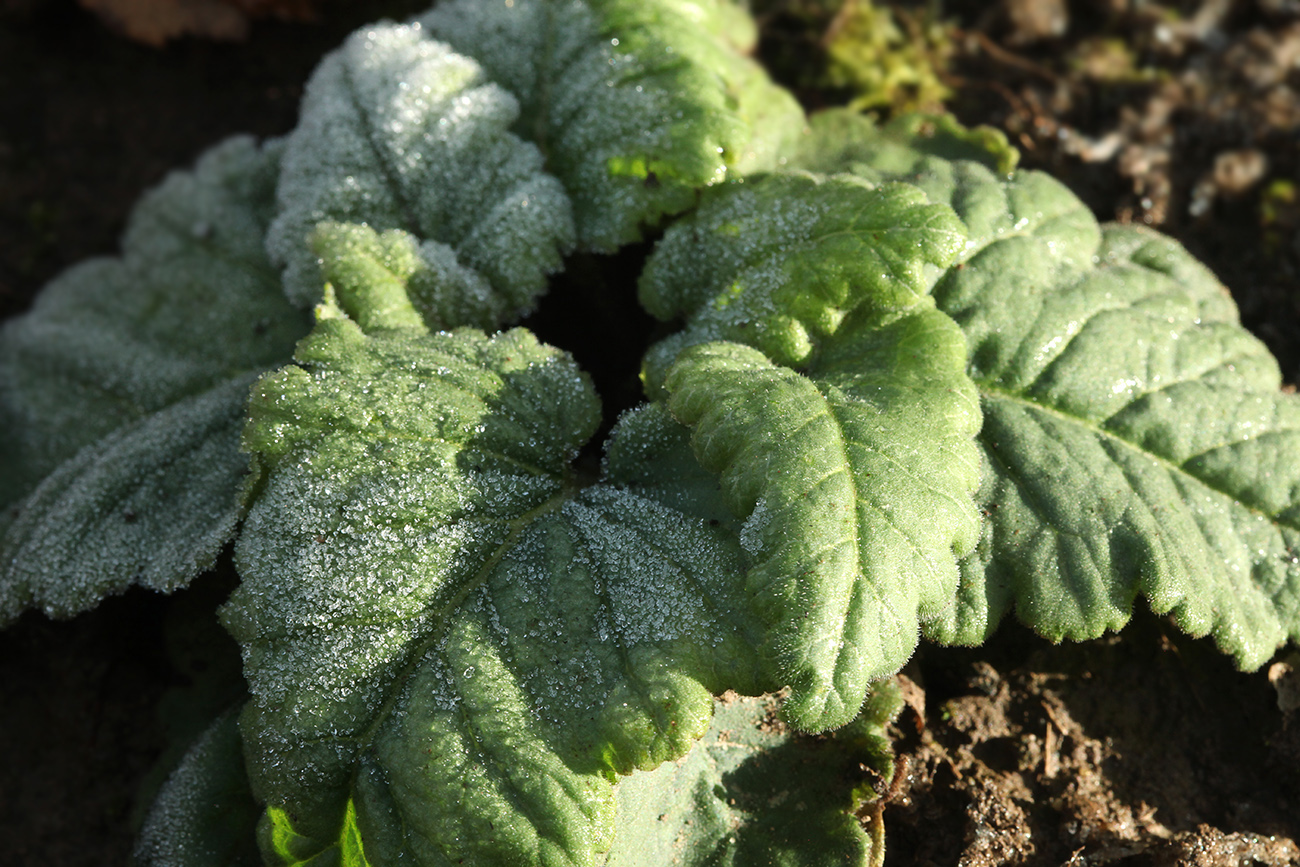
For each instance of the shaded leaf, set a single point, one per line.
(753, 792)
(121, 393)
(205, 815)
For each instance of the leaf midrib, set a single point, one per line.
(439, 623)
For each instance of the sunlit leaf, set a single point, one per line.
(454, 646)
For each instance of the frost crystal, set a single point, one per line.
(122, 391)
(432, 614)
(399, 132)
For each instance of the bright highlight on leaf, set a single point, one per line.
(122, 394)
(854, 472)
(1136, 441)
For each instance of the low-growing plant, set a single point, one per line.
(901, 390)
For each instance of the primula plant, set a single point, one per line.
(901, 391)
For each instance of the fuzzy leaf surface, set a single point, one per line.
(205, 815)
(852, 472)
(779, 262)
(401, 134)
(453, 649)
(1135, 438)
(636, 104)
(753, 792)
(122, 392)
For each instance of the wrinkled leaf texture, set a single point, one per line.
(636, 104)
(492, 138)
(1135, 439)
(122, 393)
(452, 646)
(823, 385)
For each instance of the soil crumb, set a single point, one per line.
(1142, 749)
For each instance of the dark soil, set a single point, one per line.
(1142, 749)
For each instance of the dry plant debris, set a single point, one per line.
(155, 22)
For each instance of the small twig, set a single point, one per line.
(873, 814)
(1006, 57)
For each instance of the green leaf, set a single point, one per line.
(651, 456)
(840, 140)
(853, 473)
(855, 480)
(402, 135)
(1135, 438)
(205, 815)
(452, 646)
(964, 169)
(122, 391)
(753, 792)
(636, 104)
(1137, 443)
(779, 262)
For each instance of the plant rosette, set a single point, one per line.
(901, 392)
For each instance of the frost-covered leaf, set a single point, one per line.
(121, 393)
(844, 439)
(652, 457)
(636, 104)
(205, 815)
(452, 647)
(752, 792)
(1136, 441)
(402, 134)
(150, 504)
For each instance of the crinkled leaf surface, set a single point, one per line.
(854, 471)
(122, 393)
(779, 262)
(752, 792)
(636, 104)
(1135, 438)
(452, 647)
(401, 134)
(205, 815)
